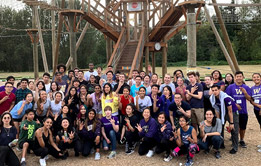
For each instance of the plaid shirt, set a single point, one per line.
(20, 94)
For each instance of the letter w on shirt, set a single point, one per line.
(238, 91)
(256, 91)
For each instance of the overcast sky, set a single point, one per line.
(19, 5)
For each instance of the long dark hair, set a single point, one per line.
(220, 76)
(110, 93)
(57, 89)
(95, 120)
(214, 120)
(226, 82)
(162, 113)
(2, 116)
(42, 84)
(170, 92)
(75, 95)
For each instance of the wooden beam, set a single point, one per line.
(82, 35)
(53, 32)
(152, 44)
(41, 40)
(220, 42)
(235, 5)
(226, 37)
(58, 39)
(35, 46)
(176, 31)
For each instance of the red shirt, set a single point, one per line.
(125, 102)
(6, 104)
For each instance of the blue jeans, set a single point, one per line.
(112, 137)
(215, 140)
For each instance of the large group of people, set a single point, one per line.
(93, 111)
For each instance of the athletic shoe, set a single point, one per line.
(97, 156)
(46, 157)
(259, 150)
(217, 154)
(150, 153)
(23, 163)
(135, 144)
(18, 149)
(130, 151)
(243, 144)
(112, 154)
(167, 159)
(189, 162)
(232, 151)
(42, 162)
(258, 146)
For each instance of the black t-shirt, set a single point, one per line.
(90, 88)
(194, 102)
(7, 135)
(84, 82)
(176, 113)
(134, 120)
(121, 89)
(207, 104)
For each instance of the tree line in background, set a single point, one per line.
(16, 49)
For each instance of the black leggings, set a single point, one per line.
(146, 145)
(45, 151)
(76, 144)
(258, 117)
(87, 145)
(164, 145)
(8, 156)
(131, 137)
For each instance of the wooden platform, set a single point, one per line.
(103, 27)
(69, 12)
(166, 23)
(195, 4)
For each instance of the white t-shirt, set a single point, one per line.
(171, 85)
(88, 74)
(143, 103)
(47, 87)
(56, 107)
(46, 106)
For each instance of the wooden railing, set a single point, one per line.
(109, 17)
(138, 53)
(160, 8)
(118, 48)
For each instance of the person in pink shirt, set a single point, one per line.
(7, 98)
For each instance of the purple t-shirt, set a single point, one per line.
(158, 104)
(107, 124)
(194, 102)
(256, 94)
(234, 91)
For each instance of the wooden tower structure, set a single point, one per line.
(134, 30)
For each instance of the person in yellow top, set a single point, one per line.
(109, 98)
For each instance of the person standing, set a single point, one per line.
(90, 72)
(21, 93)
(46, 80)
(240, 92)
(195, 97)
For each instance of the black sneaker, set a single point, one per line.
(129, 151)
(206, 151)
(23, 163)
(217, 154)
(243, 144)
(232, 151)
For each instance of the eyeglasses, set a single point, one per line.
(9, 86)
(7, 117)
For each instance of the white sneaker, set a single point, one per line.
(259, 150)
(112, 154)
(167, 159)
(42, 162)
(97, 156)
(258, 146)
(150, 153)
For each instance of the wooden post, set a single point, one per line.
(60, 25)
(108, 40)
(226, 37)
(164, 61)
(53, 32)
(41, 39)
(141, 64)
(135, 26)
(223, 48)
(191, 39)
(153, 61)
(72, 35)
(146, 24)
(35, 47)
